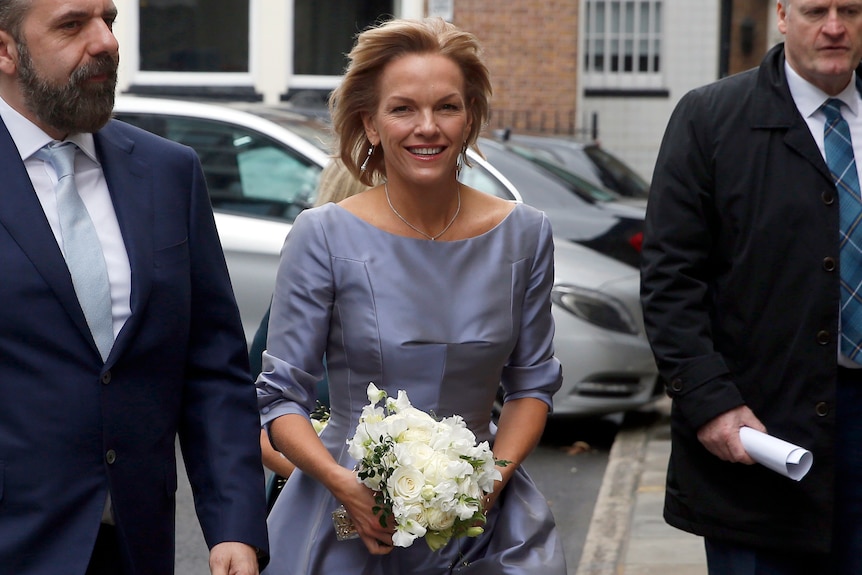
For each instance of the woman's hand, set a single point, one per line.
(359, 501)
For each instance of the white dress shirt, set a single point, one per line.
(90, 181)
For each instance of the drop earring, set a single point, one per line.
(364, 165)
(459, 163)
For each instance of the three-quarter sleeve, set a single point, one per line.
(532, 370)
(302, 302)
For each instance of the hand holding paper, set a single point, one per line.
(776, 454)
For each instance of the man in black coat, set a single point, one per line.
(741, 290)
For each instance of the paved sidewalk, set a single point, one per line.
(627, 534)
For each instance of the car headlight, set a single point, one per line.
(594, 307)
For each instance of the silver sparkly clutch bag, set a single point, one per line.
(344, 527)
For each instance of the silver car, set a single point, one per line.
(262, 164)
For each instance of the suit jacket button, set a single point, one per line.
(676, 385)
(829, 264)
(828, 197)
(823, 337)
(821, 409)
(106, 377)
(111, 456)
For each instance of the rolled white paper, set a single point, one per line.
(776, 454)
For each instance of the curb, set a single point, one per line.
(612, 516)
(627, 534)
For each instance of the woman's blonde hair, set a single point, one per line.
(358, 92)
(336, 183)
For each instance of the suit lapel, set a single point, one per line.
(22, 216)
(129, 180)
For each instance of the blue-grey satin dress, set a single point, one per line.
(445, 321)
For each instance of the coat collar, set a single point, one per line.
(773, 108)
(773, 105)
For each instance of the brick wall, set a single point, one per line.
(531, 49)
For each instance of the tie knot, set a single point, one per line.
(61, 156)
(832, 108)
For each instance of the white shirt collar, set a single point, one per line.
(29, 138)
(809, 97)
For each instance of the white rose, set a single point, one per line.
(438, 520)
(435, 468)
(406, 484)
(414, 454)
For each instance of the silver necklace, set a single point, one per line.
(414, 228)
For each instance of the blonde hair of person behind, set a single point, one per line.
(336, 183)
(376, 47)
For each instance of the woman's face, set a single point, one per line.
(422, 120)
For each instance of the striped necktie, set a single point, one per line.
(839, 157)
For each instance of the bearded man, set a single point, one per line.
(119, 331)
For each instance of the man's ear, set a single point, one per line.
(370, 129)
(8, 53)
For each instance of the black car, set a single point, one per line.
(586, 159)
(611, 227)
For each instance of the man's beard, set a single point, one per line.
(74, 107)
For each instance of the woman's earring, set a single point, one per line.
(459, 163)
(364, 165)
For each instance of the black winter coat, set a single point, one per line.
(740, 290)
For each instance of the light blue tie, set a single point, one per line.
(839, 157)
(81, 246)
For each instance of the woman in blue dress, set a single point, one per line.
(421, 284)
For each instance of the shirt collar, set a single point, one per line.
(809, 98)
(29, 138)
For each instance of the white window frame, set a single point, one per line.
(613, 39)
(148, 78)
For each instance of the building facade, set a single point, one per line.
(605, 69)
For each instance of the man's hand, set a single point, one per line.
(720, 435)
(233, 558)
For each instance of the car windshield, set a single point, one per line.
(313, 129)
(578, 185)
(635, 185)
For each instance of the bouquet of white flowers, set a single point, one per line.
(429, 476)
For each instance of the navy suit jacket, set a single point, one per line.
(72, 427)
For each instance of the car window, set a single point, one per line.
(590, 191)
(616, 171)
(476, 176)
(246, 172)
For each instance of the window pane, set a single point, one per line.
(644, 18)
(323, 37)
(600, 17)
(630, 18)
(599, 61)
(643, 55)
(194, 35)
